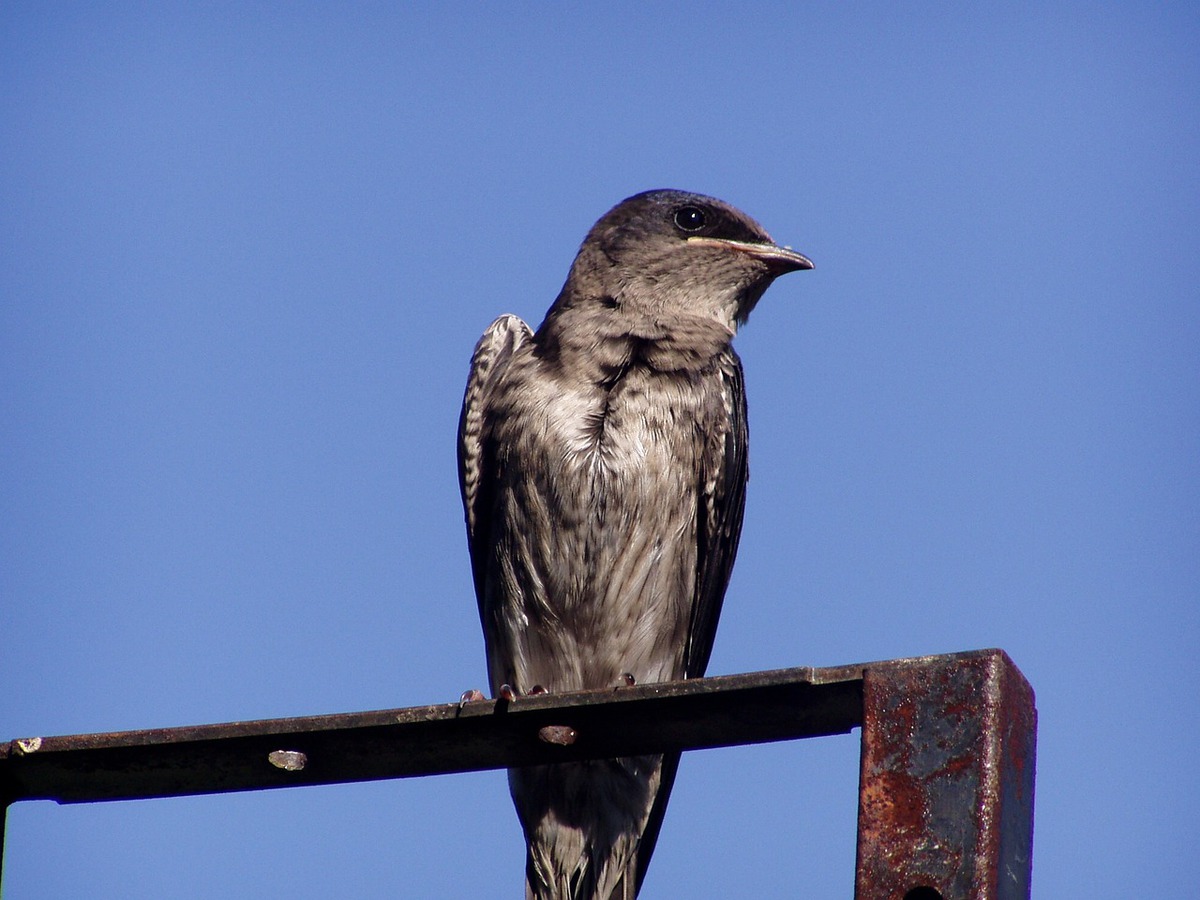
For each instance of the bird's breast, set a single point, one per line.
(641, 425)
(597, 517)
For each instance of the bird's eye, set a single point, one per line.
(689, 218)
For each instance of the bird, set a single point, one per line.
(603, 469)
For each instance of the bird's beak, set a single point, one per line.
(779, 260)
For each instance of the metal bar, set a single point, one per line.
(945, 795)
(946, 787)
(429, 740)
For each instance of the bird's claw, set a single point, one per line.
(508, 692)
(470, 696)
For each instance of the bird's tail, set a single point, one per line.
(590, 827)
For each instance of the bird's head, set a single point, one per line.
(666, 253)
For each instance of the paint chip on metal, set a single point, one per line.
(288, 760)
(562, 735)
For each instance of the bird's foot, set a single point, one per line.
(470, 696)
(509, 693)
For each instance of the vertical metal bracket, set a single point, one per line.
(946, 788)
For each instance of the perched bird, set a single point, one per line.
(603, 471)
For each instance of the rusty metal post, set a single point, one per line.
(946, 789)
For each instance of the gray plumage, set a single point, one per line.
(603, 473)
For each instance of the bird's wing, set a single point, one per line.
(475, 453)
(722, 502)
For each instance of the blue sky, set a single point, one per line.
(246, 252)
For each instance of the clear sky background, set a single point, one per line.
(245, 253)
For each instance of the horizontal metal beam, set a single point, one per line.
(432, 740)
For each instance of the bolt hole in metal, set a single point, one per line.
(924, 892)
